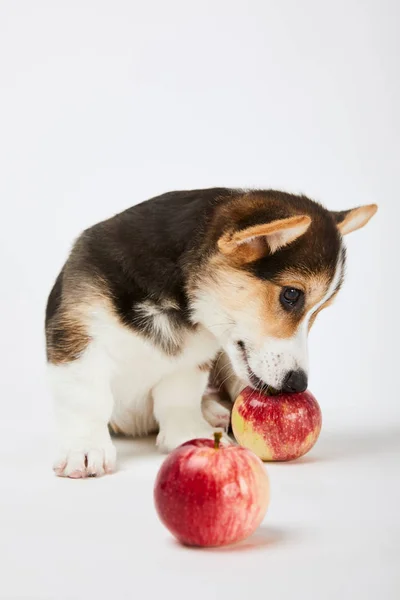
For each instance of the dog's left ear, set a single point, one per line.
(253, 242)
(355, 218)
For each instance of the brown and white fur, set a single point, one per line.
(155, 298)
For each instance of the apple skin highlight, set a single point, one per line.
(208, 494)
(276, 428)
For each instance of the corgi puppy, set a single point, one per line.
(187, 289)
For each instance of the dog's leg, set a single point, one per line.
(224, 388)
(226, 377)
(177, 408)
(83, 406)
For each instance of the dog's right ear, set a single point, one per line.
(353, 219)
(256, 241)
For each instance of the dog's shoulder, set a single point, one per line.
(135, 264)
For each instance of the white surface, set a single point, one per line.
(103, 104)
(332, 530)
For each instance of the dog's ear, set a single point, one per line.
(355, 218)
(254, 242)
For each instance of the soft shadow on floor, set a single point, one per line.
(331, 446)
(264, 537)
(129, 448)
(352, 444)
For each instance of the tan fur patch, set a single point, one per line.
(66, 337)
(255, 303)
(286, 324)
(67, 333)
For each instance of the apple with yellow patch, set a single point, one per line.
(276, 428)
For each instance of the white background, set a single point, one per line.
(104, 104)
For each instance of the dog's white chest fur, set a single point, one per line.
(136, 366)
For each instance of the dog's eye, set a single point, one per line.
(290, 297)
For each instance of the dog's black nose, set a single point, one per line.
(295, 381)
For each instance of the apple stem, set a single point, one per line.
(217, 439)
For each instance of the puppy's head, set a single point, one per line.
(276, 261)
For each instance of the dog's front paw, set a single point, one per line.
(216, 411)
(91, 458)
(174, 434)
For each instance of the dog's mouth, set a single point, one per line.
(257, 383)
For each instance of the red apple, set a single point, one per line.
(280, 427)
(209, 494)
